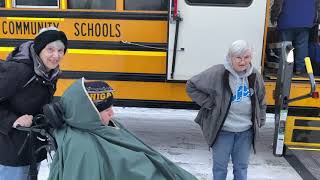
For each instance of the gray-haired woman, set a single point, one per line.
(232, 101)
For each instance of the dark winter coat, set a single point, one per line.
(295, 13)
(211, 90)
(16, 100)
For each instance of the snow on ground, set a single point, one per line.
(174, 134)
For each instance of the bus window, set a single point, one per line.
(36, 3)
(152, 5)
(221, 2)
(1, 3)
(92, 4)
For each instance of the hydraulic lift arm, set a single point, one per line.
(282, 93)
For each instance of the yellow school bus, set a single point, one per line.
(147, 49)
(130, 43)
(122, 42)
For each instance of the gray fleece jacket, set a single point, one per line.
(212, 92)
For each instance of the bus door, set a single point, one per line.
(200, 32)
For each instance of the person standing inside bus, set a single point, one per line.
(294, 19)
(233, 108)
(28, 80)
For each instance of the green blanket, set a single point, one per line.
(89, 150)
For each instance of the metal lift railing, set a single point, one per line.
(282, 93)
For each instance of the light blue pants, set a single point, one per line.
(238, 146)
(15, 173)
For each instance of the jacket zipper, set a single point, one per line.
(254, 113)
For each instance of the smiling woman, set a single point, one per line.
(34, 67)
(51, 46)
(52, 54)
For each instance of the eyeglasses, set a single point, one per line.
(239, 59)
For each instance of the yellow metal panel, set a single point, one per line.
(266, 25)
(270, 87)
(33, 19)
(109, 61)
(139, 90)
(307, 149)
(8, 3)
(116, 52)
(305, 145)
(87, 29)
(289, 129)
(120, 5)
(6, 50)
(115, 62)
(308, 65)
(112, 63)
(307, 128)
(289, 132)
(103, 52)
(3, 55)
(63, 4)
(297, 89)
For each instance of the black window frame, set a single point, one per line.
(165, 5)
(2, 3)
(218, 4)
(113, 9)
(14, 5)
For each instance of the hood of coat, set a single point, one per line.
(243, 74)
(25, 54)
(21, 54)
(238, 79)
(79, 110)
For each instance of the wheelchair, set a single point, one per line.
(42, 128)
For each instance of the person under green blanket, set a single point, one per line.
(93, 146)
(102, 97)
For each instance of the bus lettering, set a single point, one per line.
(25, 27)
(97, 29)
(118, 30)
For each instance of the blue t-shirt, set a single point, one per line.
(297, 14)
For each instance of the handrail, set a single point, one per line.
(178, 19)
(313, 87)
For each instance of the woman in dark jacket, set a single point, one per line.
(27, 82)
